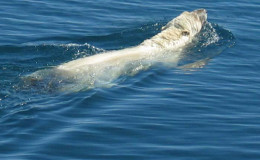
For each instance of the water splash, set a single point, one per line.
(211, 41)
(210, 34)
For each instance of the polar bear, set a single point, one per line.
(106, 67)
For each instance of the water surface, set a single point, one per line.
(160, 113)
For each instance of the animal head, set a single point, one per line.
(189, 22)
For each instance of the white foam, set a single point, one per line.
(211, 35)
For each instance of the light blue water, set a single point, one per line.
(161, 113)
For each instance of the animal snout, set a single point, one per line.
(201, 11)
(202, 14)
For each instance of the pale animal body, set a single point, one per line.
(106, 67)
(175, 35)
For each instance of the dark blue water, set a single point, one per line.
(211, 112)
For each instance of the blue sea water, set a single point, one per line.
(165, 113)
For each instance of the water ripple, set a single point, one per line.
(160, 113)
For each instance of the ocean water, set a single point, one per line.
(208, 111)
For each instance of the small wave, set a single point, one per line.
(46, 54)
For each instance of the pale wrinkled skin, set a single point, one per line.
(179, 31)
(101, 69)
(176, 34)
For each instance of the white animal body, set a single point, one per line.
(163, 47)
(175, 35)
